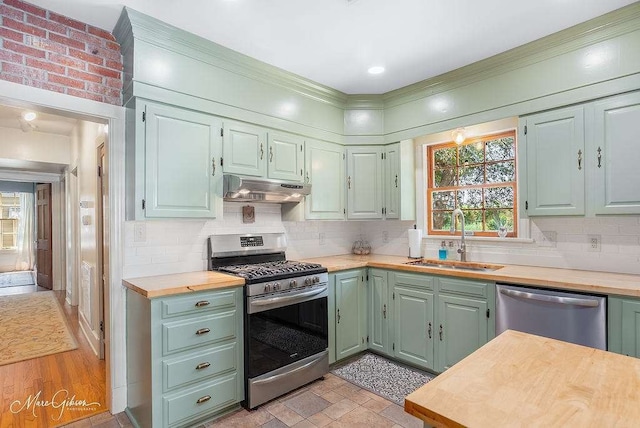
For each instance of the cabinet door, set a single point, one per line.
(631, 328)
(182, 163)
(615, 155)
(350, 313)
(462, 328)
(324, 165)
(286, 157)
(364, 183)
(392, 181)
(245, 149)
(414, 327)
(379, 311)
(555, 162)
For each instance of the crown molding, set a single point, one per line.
(612, 24)
(364, 102)
(158, 33)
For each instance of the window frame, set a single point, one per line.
(429, 183)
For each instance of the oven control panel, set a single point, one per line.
(284, 285)
(251, 241)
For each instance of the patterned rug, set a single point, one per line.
(32, 325)
(13, 279)
(383, 377)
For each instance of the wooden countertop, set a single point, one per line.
(523, 380)
(166, 285)
(569, 279)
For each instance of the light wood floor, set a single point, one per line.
(79, 372)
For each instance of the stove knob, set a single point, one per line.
(276, 286)
(307, 281)
(267, 288)
(316, 280)
(293, 283)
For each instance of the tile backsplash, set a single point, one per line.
(175, 246)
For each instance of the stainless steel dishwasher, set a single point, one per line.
(571, 317)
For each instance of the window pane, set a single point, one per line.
(496, 217)
(469, 198)
(498, 197)
(472, 220)
(444, 177)
(444, 157)
(441, 220)
(472, 175)
(501, 172)
(471, 153)
(443, 200)
(8, 226)
(501, 149)
(7, 241)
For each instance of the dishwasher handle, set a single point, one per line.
(551, 299)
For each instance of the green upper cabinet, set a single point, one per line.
(364, 183)
(614, 154)
(286, 157)
(325, 170)
(399, 181)
(392, 181)
(245, 149)
(351, 313)
(182, 174)
(555, 162)
(380, 315)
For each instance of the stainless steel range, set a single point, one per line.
(286, 319)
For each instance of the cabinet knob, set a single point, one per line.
(384, 311)
(261, 151)
(396, 181)
(202, 303)
(599, 157)
(429, 330)
(271, 154)
(579, 159)
(203, 399)
(203, 331)
(338, 316)
(349, 182)
(202, 366)
(441, 332)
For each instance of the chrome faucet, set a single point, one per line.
(463, 247)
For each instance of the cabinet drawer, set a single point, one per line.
(199, 366)
(182, 335)
(413, 280)
(206, 398)
(198, 303)
(460, 286)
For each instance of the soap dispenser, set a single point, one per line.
(442, 252)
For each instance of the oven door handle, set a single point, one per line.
(272, 300)
(289, 373)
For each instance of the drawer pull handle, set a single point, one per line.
(203, 399)
(202, 366)
(202, 303)
(203, 331)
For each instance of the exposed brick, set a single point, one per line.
(22, 27)
(116, 101)
(19, 69)
(67, 21)
(29, 8)
(67, 41)
(11, 78)
(11, 57)
(115, 65)
(50, 46)
(46, 24)
(113, 46)
(45, 65)
(101, 33)
(103, 71)
(105, 53)
(96, 88)
(15, 47)
(114, 93)
(66, 81)
(84, 94)
(45, 85)
(67, 61)
(114, 83)
(5, 33)
(87, 77)
(11, 12)
(87, 38)
(86, 57)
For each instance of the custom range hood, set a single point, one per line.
(250, 189)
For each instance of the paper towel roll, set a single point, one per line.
(415, 243)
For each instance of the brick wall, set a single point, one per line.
(43, 49)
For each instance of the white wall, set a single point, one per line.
(34, 146)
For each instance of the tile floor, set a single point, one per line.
(332, 402)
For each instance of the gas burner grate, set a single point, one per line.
(271, 269)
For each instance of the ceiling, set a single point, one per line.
(11, 117)
(335, 42)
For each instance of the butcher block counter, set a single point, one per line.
(518, 379)
(167, 285)
(568, 279)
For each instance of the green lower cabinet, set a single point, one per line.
(380, 313)
(624, 326)
(462, 328)
(413, 339)
(351, 313)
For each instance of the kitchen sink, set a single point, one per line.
(453, 265)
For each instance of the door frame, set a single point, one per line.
(115, 318)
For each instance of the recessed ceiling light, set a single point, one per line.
(29, 116)
(376, 70)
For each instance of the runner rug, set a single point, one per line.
(14, 279)
(32, 325)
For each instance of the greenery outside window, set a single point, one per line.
(479, 177)
(9, 217)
